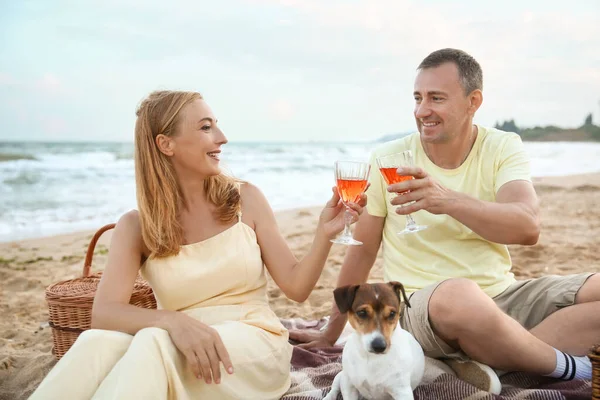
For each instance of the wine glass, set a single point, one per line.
(387, 166)
(351, 180)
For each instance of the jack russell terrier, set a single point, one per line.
(380, 360)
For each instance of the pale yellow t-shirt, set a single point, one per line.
(447, 248)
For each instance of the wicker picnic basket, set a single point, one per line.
(594, 356)
(70, 302)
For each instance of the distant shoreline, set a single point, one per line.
(586, 133)
(590, 133)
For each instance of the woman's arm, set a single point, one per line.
(111, 309)
(295, 278)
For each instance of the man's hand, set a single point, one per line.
(426, 193)
(310, 339)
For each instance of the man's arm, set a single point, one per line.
(355, 270)
(512, 219)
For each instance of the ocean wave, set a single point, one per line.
(123, 156)
(56, 188)
(290, 169)
(23, 178)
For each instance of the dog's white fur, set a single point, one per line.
(390, 375)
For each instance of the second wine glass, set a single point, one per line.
(351, 180)
(388, 165)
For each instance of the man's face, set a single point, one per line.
(442, 109)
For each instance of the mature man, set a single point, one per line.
(473, 190)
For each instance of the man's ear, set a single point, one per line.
(475, 101)
(344, 297)
(165, 144)
(399, 288)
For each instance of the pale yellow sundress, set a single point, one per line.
(220, 281)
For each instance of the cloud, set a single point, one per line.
(49, 83)
(285, 22)
(6, 79)
(281, 109)
(53, 125)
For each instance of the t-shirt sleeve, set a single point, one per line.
(376, 194)
(514, 163)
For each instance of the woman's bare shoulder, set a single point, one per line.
(130, 221)
(256, 209)
(252, 197)
(129, 228)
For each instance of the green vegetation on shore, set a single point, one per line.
(14, 157)
(587, 132)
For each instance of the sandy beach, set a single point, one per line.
(568, 244)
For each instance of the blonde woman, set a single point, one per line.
(202, 240)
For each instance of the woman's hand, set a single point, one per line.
(201, 345)
(308, 339)
(332, 216)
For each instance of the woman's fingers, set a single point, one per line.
(204, 364)
(223, 354)
(355, 209)
(213, 359)
(192, 361)
(335, 198)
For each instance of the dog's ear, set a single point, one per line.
(344, 297)
(399, 288)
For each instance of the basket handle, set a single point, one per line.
(87, 265)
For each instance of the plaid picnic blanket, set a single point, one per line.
(313, 372)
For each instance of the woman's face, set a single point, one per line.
(195, 149)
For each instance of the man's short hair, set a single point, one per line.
(469, 70)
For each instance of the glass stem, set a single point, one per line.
(410, 222)
(347, 221)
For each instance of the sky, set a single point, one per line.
(291, 70)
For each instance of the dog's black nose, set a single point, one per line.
(378, 345)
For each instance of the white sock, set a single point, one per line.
(571, 367)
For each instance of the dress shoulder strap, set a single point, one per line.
(239, 213)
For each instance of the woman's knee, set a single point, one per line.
(151, 335)
(92, 341)
(100, 337)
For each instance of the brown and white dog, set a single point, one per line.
(380, 359)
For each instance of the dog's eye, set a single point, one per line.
(392, 315)
(362, 314)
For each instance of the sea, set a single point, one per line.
(54, 188)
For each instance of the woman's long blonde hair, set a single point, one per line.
(159, 196)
